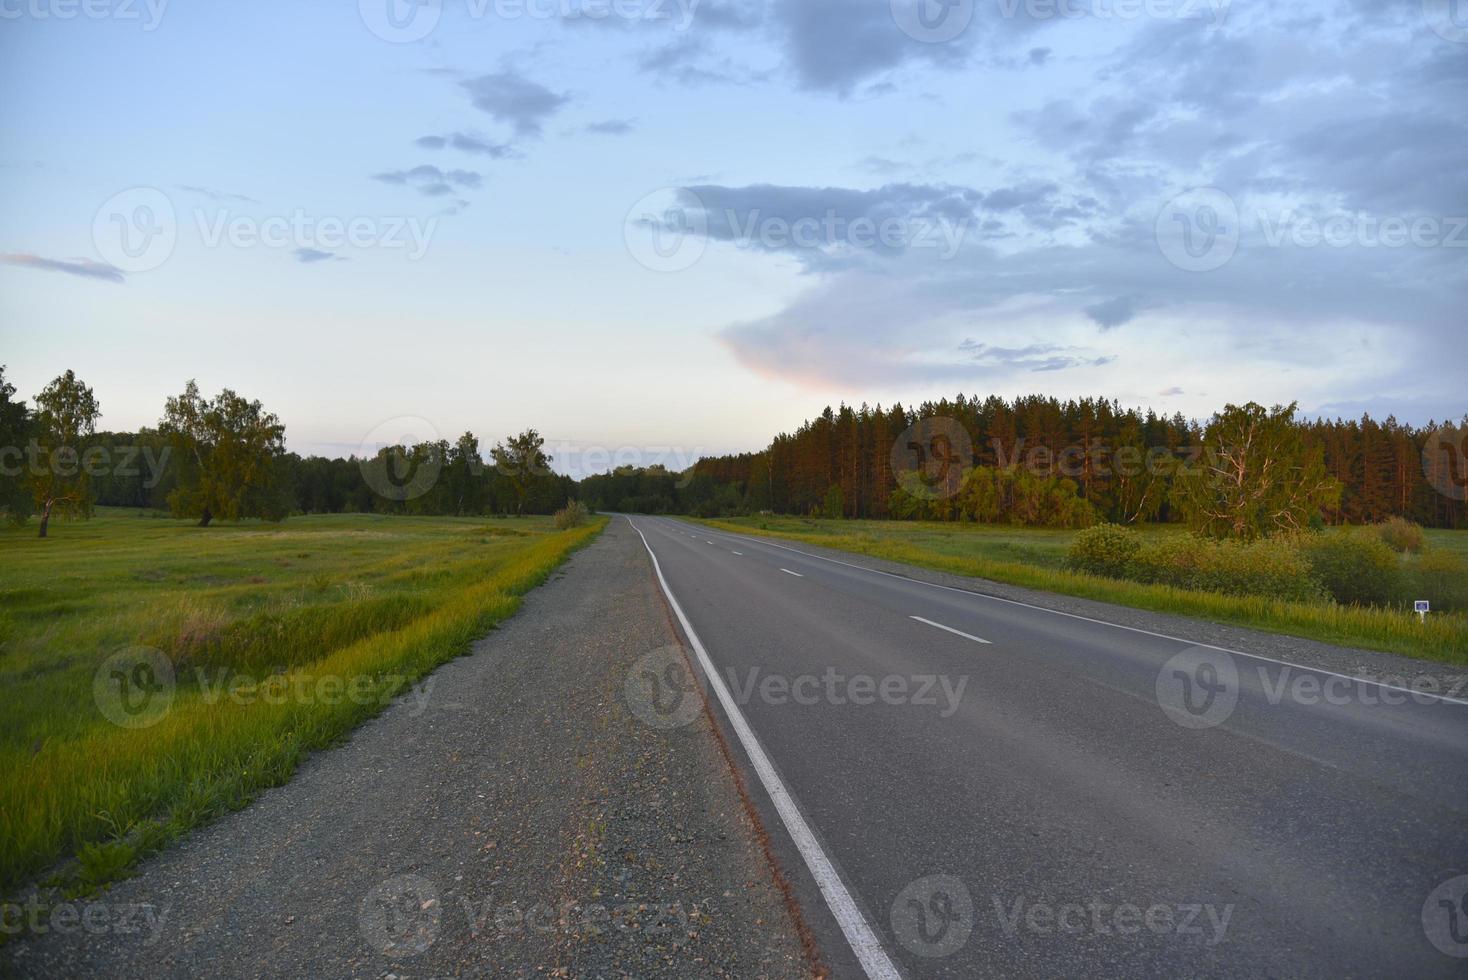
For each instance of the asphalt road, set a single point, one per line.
(964, 786)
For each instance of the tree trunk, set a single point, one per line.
(205, 518)
(46, 517)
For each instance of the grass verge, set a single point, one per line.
(1035, 560)
(280, 640)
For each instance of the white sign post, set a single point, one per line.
(1422, 610)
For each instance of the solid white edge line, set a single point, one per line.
(966, 636)
(1102, 622)
(789, 572)
(859, 935)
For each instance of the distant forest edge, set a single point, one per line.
(1033, 461)
(1027, 461)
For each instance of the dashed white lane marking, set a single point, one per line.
(864, 943)
(1102, 622)
(789, 572)
(739, 553)
(950, 629)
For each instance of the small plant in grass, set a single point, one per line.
(1355, 567)
(1106, 549)
(1401, 535)
(571, 515)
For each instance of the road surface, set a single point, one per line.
(966, 786)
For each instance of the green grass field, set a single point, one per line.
(1035, 558)
(106, 759)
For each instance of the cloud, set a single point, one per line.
(216, 195)
(826, 226)
(881, 166)
(86, 268)
(467, 143)
(611, 127)
(1113, 312)
(1032, 357)
(312, 255)
(430, 180)
(678, 15)
(511, 98)
(689, 61)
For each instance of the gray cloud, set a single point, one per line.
(611, 127)
(430, 180)
(828, 228)
(86, 268)
(217, 195)
(467, 143)
(690, 61)
(512, 98)
(1113, 312)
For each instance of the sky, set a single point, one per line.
(661, 229)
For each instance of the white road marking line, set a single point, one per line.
(966, 636)
(1102, 622)
(864, 943)
(789, 572)
(739, 553)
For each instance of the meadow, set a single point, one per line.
(1036, 558)
(157, 674)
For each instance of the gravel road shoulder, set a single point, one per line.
(531, 818)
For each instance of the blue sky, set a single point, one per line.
(1175, 203)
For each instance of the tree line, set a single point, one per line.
(224, 458)
(1246, 472)
(1040, 460)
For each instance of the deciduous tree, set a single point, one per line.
(229, 449)
(65, 420)
(1256, 476)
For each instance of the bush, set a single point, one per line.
(1272, 567)
(571, 515)
(1356, 568)
(1401, 535)
(1440, 577)
(1106, 549)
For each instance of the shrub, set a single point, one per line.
(1272, 567)
(1441, 577)
(1356, 568)
(1401, 535)
(571, 515)
(1106, 549)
